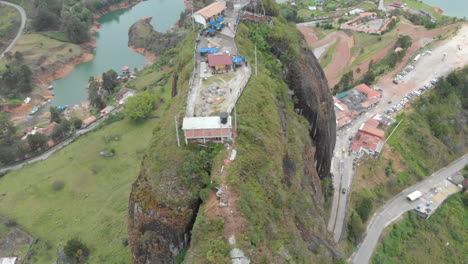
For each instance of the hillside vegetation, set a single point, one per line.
(429, 137)
(440, 239)
(77, 192)
(9, 24)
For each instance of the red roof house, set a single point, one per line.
(367, 143)
(371, 93)
(372, 131)
(219, 60)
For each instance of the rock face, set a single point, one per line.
(306, 78)
(157, 231)
(143, 38)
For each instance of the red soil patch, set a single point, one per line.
(340, 59)
(151, 57)
(309, 34)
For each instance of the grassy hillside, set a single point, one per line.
(279, 189)
(93, 201)
(9, 24)
(440, 239)
(429, 137)
(41, 52)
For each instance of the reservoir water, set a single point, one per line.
(112, 50)
(456, 8)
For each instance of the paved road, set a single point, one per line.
(398, 206)
(59, 146)
(20, 30)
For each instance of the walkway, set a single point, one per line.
(210, 94)
(20, 30)
(394, 208)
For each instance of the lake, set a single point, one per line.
(112, 51)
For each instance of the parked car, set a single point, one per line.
(343, 190)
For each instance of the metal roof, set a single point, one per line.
(206, 122)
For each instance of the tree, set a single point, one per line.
(76, 249)
(355, 227)
(7, 130)
(93, 94)
(109, 80)
(75, 30)
(61, 130)
(76, 122)
(18, 77)
(55, 114)
(37, 141)
(140, 106)
(365, 208)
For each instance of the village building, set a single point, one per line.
(372, 96)
(89, 120)
(219, 62)
(343, 115)
(209, 128)
(397, 4)
(366, 143)
(123, 94)
(107, 110)
(204, 15)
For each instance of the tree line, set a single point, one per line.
(17, 78)
(71, 17)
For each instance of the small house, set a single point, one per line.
(123, 94)
(89, 120)
(204, 15)
(107, 110)
(397, 4)
(210, 128)
(219, 62)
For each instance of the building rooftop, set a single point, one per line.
(368, 91)
(365, 141)
(206, 122)
(211, 10)
(219, 59)
(373, 123)
(372, 131)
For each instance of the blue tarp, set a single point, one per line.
(212, 23)
(220, 19)
(213, 50)
(63, 107)
(218, 25)
(237, 59)
(203, 50)
(211, 30)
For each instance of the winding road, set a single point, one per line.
(20, 31)
(399, 205)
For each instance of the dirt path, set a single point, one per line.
(226, 207)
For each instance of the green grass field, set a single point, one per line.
(327, 57)
(440, 239)
(93, 202)
(41, 52)
(367, 45)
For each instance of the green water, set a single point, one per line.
(456, 8)
(112, 50)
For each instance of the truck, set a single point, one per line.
(414, 196)
(417, 58)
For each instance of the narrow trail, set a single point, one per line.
(20, 30)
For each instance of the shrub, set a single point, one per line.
(58, 185)
(76, 250)
(9, 222)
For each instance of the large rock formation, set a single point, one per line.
(144, 39)
(306, 78)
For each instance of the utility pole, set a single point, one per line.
(177, 131)
(256, 69)
(235, 119)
